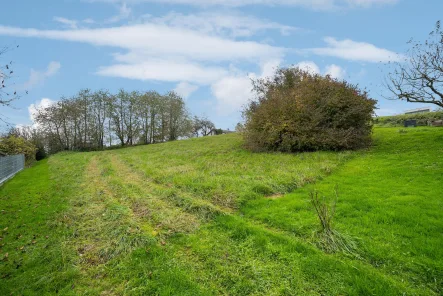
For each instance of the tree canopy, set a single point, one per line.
(95, 119)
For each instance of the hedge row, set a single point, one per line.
(398, 120)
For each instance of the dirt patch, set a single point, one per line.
(275, 196)
(140, 210)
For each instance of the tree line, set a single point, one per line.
(94, 120)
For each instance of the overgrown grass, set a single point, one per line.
(390, 200)
(206, 217)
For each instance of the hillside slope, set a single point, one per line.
(205, 217)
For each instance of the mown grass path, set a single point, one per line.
(194, 218)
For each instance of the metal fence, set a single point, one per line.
(11, 165)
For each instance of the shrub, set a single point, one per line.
(299, 111)
(16, 145)
(218, 131)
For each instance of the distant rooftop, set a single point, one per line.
(418, 110)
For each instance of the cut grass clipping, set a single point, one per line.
(327, 238)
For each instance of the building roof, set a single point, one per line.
(427, 109)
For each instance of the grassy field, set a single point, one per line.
(205, 217)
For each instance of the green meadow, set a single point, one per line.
(206, 217)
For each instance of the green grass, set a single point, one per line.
(206, 217)
(422, 119)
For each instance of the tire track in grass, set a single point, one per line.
(103, 230)
(154, 219)
(239, 256)
(166, 195)
(212, 274)
(215, 273)
(229, 179)
(141, 197)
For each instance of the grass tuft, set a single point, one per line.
(327, 237)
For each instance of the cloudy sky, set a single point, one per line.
(206, 50)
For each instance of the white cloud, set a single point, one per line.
(369, 3)
(53, 68)
(37, 77)
(269, 67)
(124, 13)
(43, 103)
(355, 51)
(234, 91)
(222, 24)
(185, 89)
(335, 71)
(311, 4)
(88, 21)
(71, 24)
(165, 70)
(386, 112)
(152, 39)
(308, 66)
(163, 53)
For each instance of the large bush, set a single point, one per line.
(299, 111)
(16, 145)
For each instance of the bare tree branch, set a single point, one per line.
(419, 79)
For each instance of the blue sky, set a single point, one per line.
(207, 50)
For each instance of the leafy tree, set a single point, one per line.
(196, 126)
(99, 104)
(84, 121)
(178, 117)
(147, 107)
(207, 126)
(299, 111)
(202, 126)
(419, 78)
(33, 135)
(16, 145)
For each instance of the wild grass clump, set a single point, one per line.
(327, 237)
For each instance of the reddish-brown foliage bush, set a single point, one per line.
(299, 111)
